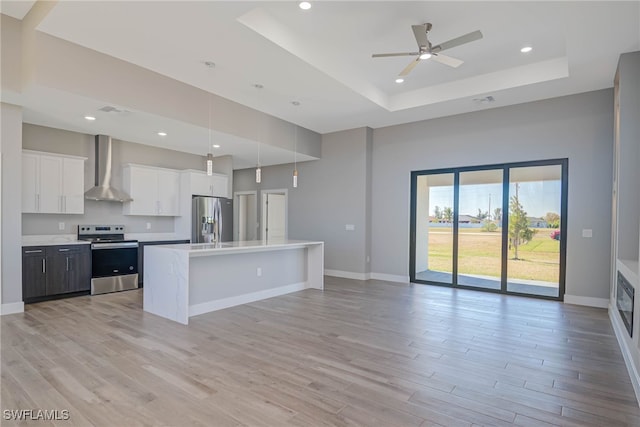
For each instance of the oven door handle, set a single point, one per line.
(98, 246)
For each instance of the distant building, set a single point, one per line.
(537, 222)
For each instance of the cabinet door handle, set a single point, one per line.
(64, 250)
(37, 203)
(64, 203)
(44, 265)
(35, 251)
(61, 208)
(67, 263)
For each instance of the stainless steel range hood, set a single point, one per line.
(103, 190)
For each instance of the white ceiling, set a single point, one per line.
(322, 57)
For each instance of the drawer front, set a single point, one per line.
(34, 251)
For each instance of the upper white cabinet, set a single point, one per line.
(202, 184)
(155, 191)
(52, 183)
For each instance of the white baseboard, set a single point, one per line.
(390, 277)
(207, 307)
(621, 336)
(347, 274)
(12, 308)
(588, 301)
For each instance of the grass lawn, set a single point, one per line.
(479, 253)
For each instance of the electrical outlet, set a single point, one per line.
(61, 226)
(259, 271)
(148, 226)
(587, 232)
(368, 259)
(350, 227)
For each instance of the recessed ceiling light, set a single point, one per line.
(296, 103)
(526, 49)
(90, 118)
(162, 133)
(258, 86)
(425, 55)
(216, 146)
(304, 5)
(399, 80)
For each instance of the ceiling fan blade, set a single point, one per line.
(409, 67)
(420, 32)
(467, 38)
(447, 60)
(385, 55)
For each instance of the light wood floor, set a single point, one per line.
(359, 353)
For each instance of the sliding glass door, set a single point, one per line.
(499, 228)
(434, 228)
(535, 202)
(480, 229)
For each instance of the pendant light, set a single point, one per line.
(295, 157)
(258, 168)
(260, 135)
(210, 154)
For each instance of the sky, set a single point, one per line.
(536, 197)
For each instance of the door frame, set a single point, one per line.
(236, 206)
(263, 210)
(563, 163)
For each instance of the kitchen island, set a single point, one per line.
(185, 280)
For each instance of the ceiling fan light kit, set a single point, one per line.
(427, 51)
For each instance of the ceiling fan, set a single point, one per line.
(426, 50)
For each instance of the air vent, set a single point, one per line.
(112, 109)
(485, 100)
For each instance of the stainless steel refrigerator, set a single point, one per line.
(212, 219)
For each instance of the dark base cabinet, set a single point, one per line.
(49, 271)
(141, 246)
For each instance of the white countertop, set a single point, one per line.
(205, 249)
(52, 239)
(72, 239)
(155, 237)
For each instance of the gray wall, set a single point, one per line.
(331, 193)
(10, 147)
(51, 140)
(334, 190)
(578, 127)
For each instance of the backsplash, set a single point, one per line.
(94, 213)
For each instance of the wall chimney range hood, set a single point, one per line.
(103, 191)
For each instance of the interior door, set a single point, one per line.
(275, 216)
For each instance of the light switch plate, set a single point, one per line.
(350, 227)
(148, 226)
(61, 226)
(587, 232)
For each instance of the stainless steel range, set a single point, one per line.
(114, 260)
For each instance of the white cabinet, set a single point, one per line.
(52, 183)
(155, 191)
(205, 185)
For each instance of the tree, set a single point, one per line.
(553, 220)
(482, 215)
(519, 231)
(497, 214)
(438, 213)
(447, 214)
(489, 226)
